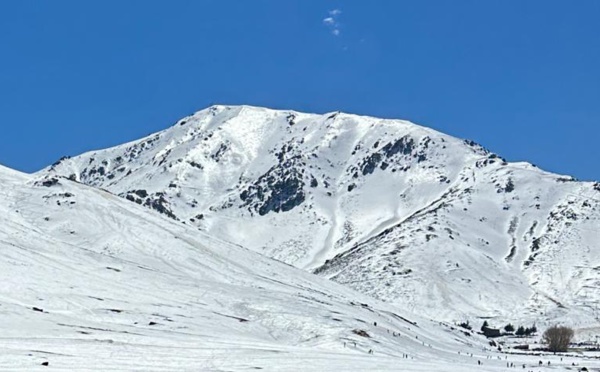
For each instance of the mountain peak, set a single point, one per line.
(385, 206)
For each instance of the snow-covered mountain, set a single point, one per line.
(90, 281)
(406, 214)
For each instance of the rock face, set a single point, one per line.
(395, 210)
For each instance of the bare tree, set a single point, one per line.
(558, 338)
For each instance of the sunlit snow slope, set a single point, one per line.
(91, 281)
(393, 209)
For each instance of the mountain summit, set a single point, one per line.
(398, 211)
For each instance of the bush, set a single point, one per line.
(509, 328)
(520, 331)
(466, 325)
(558, 338)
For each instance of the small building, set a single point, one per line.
(491, 332)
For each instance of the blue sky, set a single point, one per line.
(521, 77)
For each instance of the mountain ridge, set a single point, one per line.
(365, 201)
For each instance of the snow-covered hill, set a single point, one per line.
(90, 281)
(400, 212)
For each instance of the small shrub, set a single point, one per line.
(466, 325)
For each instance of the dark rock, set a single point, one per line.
(50, 182)
(220, 152)
(281, 188)
(404, 145)
(371, 163)
(195, 165)
(160, 204)
(141, 193)
(361, 333)
(291, 119)
(56, 163)
(510, 186)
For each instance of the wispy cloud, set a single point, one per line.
(329, 21)
(332, 22)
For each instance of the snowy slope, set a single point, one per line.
(398, 211)
(91, 281)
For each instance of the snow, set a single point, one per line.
(401, 212)
(92, 281)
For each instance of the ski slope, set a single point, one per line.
(90, 281)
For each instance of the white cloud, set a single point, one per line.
(329, 21)
(332, 22)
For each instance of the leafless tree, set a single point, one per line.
(558, 338)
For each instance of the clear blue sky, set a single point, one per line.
(521, 77)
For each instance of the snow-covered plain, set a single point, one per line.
(431, 223)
